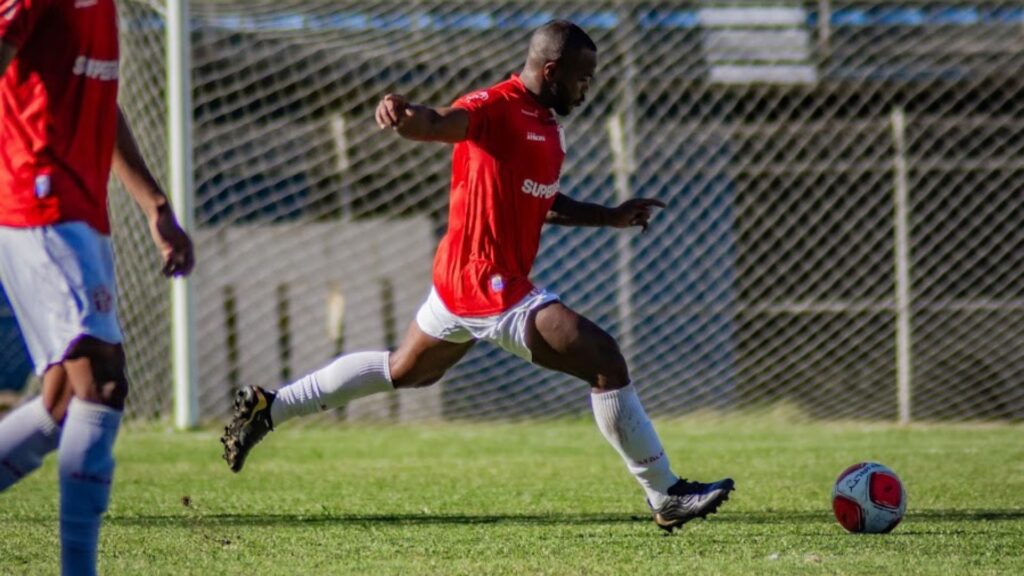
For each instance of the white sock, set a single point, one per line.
(27, 434)
(625, 425)
(347, 378)
(86, 471)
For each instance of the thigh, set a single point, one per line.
(60, 280)
(562, 340)
(421, 359)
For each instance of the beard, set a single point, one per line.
(562, 105)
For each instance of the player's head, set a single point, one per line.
(563, 58)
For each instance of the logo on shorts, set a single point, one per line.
(102, 300)
(42, 185)
(497, 283)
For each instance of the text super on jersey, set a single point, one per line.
(58, 111)
(504, 180)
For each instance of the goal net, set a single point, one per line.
(844, 182)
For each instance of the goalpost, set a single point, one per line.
(179, 105)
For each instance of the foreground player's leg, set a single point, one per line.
(85, 456)
(421, 360)
(26, 436)
(562, 340)
(32, 430)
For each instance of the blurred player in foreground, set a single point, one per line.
(506, 165)
(60, 132)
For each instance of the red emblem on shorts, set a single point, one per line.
(102, 300)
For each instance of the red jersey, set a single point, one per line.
(504, 180)
(58, 111)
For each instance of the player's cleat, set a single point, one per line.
(249, 424)
(689, 500)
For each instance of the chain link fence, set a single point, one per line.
(843, 182)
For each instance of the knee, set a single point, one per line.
(613, 372)
(105, 363)
(405, 374)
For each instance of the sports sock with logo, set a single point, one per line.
(27, 435)
(86, 462)
(624, 423)
(349, 377)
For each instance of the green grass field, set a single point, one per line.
(535, 498)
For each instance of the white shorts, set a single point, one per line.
(507, 330)
(60, 281)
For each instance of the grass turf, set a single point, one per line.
(534, 498)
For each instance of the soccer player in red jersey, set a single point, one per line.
(506, 164)
(61, 131)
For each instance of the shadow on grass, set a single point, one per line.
(930, 515)
(412, 519)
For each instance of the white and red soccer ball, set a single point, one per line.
(868, 497)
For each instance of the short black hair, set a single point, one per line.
(559, 38)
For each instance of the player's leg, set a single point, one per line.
(31, 431)
(35, 288)
(56, 393)
(562, 340)
(430, 347)
(96, 375)
(65, 300)
(420, 360)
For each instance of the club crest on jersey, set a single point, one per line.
(478, 96)
(497, 283)
(42, 185)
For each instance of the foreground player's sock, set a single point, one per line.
(86, 471)
(347, 378)
(27, 434)
(625, 425)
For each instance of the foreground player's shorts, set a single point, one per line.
(507, 330)
(60, 280)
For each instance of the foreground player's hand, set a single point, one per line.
(392, 110)
(174, 244)
(635, 212)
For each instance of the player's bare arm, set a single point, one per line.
(417, 122)
(7, 54)
(635, 212)
(174, 244)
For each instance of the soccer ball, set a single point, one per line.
(868, 497)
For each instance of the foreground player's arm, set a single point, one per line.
(417, 122)
(568, 212)
(7, 54)
(174, 244)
